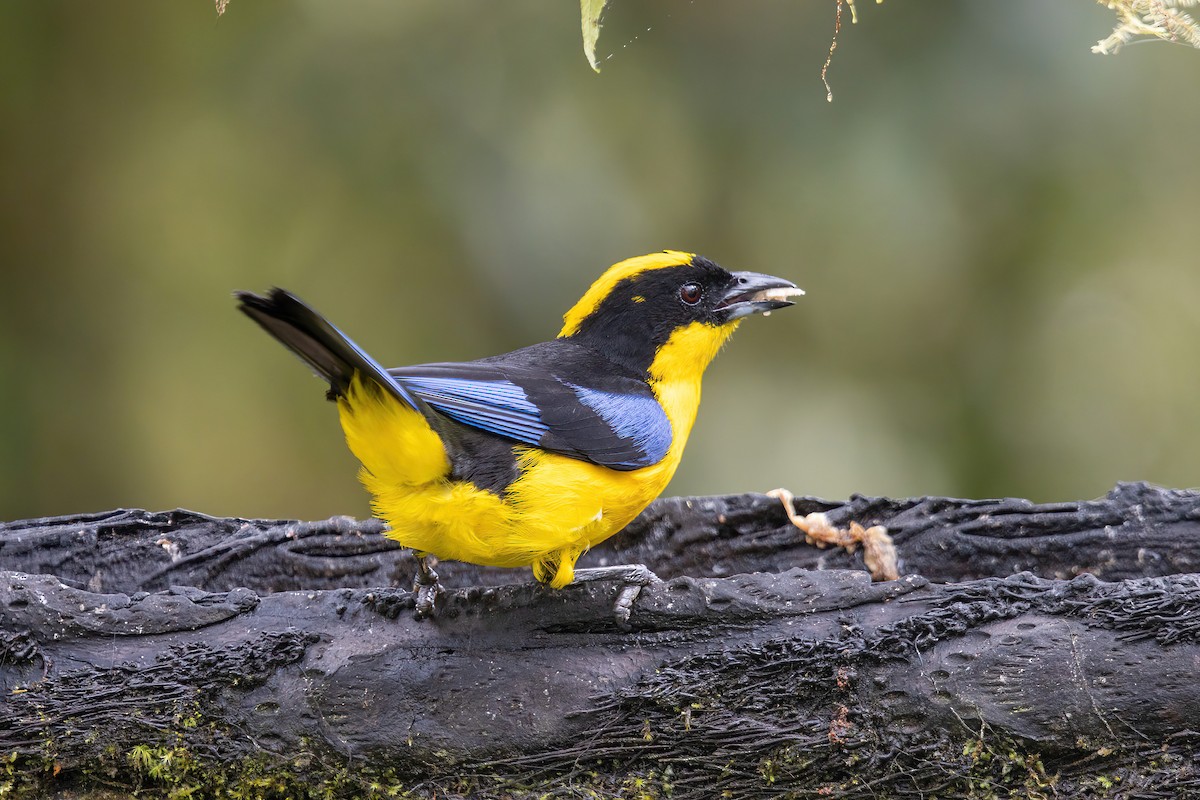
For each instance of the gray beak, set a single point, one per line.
(753, 293)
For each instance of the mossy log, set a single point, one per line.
(1046, 650)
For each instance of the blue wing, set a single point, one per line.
(496, 406)
(618, 425)
(633, 419)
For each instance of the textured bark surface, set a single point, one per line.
(1049, 650)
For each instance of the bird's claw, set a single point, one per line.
(427, 597)
(427, 589)
(632, 576)
(623, 608)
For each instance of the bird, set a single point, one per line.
(530, 458)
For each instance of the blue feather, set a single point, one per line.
(499, 407)
(637, 418)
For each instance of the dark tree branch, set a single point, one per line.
(292, 668)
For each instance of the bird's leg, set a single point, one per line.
(426, 586)
(632, 576)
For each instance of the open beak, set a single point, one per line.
(752, 292)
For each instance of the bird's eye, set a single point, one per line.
(690, 293)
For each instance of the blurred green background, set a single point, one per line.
(996, 229)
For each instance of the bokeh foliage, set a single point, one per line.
(996, 229)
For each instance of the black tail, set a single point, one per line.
(328, 351)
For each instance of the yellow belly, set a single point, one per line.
(557, 509)
(551, 515)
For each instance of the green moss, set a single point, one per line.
(997, 766)
(986, 767)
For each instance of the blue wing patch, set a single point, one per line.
(635, 418)
(498, 407)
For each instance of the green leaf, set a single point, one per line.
(591, 10)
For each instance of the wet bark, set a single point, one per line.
(1044, 649)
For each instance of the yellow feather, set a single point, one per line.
(676, 371)
(391, 440)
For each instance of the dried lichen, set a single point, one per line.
(1147, 20)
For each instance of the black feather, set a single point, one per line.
(328, 351)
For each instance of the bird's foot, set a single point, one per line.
(879, 553)
(426, 587)
(632, 576)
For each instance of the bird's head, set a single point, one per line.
(640, 305)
